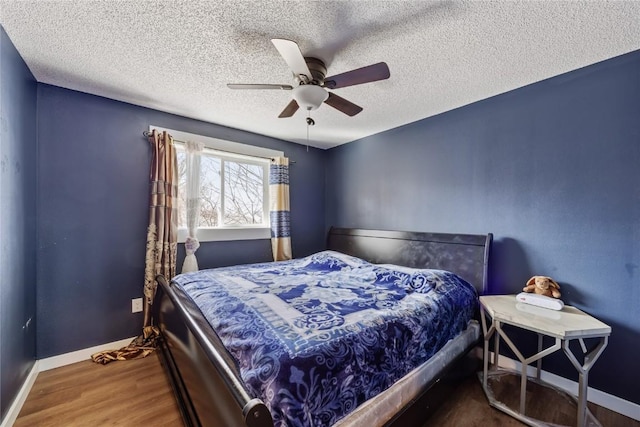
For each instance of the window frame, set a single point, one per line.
(233, 151)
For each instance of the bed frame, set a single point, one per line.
(203, 375)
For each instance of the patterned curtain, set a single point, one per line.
(191, 244)
(162, 233)
(279, 208)
(162, 243)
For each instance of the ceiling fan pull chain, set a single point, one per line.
(310, 122)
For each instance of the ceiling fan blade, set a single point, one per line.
(371, 73)
(341, 104)
(292, 56)
(290, 109)
(257, 86)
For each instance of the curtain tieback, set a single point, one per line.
(191, 245)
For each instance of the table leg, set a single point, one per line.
(583, 370)
(525, 361)
(539, 363)
(485, 352)
(485, 356)
(496, 346)
(523, 387)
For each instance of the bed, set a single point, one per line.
(330, 353)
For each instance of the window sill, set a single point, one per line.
(226, 234)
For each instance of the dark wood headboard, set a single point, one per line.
(466, 255)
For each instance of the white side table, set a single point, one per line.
(565, 326)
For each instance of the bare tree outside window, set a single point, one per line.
(243, 192)
(210, 192)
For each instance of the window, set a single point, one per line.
(234, 189)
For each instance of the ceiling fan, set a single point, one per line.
(310, 84)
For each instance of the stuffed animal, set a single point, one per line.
(543, 285)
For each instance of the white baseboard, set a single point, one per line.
(600, 398)
(16, 406)
(51, 363)
(80, 355)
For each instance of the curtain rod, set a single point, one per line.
(147, 134)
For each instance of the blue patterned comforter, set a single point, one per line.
(317, 336)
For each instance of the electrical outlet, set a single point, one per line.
(136, 305)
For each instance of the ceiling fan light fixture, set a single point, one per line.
(310, 97)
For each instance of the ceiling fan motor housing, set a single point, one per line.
(317, 68)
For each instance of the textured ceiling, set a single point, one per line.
(177, 56)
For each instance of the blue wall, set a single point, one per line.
(93, 212)
(17, 221)
(552, 169)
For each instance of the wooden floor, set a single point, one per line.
(137, 393)
(131, 393)
(470, 408)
